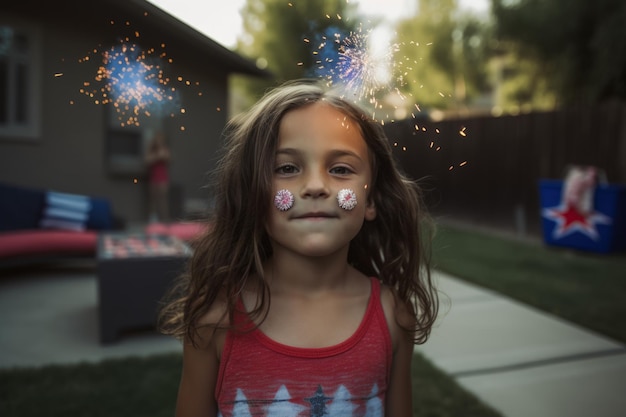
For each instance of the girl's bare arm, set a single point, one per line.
(399, 393)
(399, 401)
(196, 393)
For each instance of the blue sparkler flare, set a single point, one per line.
(346, 63)
(135, 80)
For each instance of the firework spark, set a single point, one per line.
(348, 64)
(359, 71)
(133, 80)
(380, 77)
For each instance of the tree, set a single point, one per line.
(575, 49)
(445, 55)
(284, 36)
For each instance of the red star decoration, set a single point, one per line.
(569, 220)
(571, 215)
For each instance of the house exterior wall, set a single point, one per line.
(70, 153)
(66, 155)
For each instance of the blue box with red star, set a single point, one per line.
(602, 229)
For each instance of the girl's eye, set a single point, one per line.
(341, 170)
(286, 169)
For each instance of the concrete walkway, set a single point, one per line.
(523, 362)
(515, 358)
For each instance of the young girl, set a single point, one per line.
(157, 161)
(308, 293)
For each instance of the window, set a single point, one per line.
(126, 146)
(19, 81)
(125, 152)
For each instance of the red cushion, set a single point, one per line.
(186, 231)
(44, 242)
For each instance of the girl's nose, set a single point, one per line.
(315, 186)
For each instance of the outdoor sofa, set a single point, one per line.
(40, 224)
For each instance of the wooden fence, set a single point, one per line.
(486, 169)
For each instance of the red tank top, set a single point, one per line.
(158, 172)
(260, 377)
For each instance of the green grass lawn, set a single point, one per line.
(584, 288)
(146, 387)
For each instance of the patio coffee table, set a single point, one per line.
(134, 272)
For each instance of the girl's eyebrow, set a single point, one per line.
(287, 151)
(335, 153)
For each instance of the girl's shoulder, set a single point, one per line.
(212, 327)
(217, 314)
(388, 302)
(398, 314)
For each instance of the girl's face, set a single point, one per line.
(320, 152)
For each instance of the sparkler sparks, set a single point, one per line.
(133, 80)
(347, 62)
(359, 69)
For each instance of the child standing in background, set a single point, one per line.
(158, 160)
(313, 285)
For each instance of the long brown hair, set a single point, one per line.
(393, 247)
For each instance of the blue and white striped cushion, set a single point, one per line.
(65, 211)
